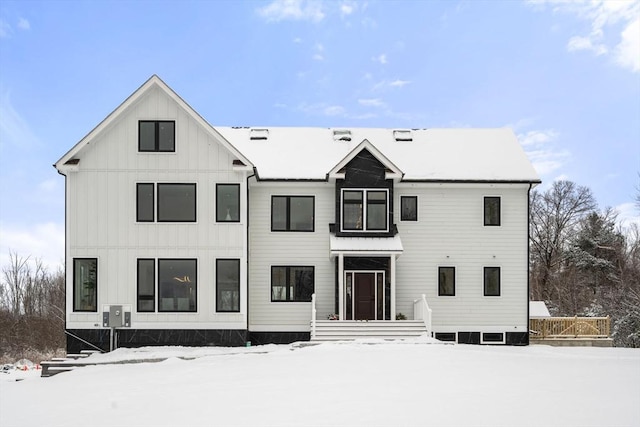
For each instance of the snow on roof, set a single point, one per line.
(365, 244)
(431, 154)
(538, 309)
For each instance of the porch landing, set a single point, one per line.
(337, 330)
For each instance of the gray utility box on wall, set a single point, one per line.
(116, 317)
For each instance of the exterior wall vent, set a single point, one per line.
(401, 135)
(341, 135)
(258, 134)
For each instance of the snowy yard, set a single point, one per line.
(411, 383)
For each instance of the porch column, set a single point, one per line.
(392, 272)
(340, 286)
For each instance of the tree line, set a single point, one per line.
(581, 263)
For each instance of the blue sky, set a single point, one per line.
(564, 76)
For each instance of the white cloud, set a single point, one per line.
(628, 214)
(399, 83)
(23, 24)
(44, 241)
(382, 58)
(5, 29)
(537, 137)
(13, 128)
(375, 102)
(294, 10)
(538, 145)
(604, 16)
(297, 40)
(318, 55)
(347, 8)
(334, 110)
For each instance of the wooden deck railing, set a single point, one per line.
(570, 327)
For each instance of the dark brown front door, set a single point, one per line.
(365, 296)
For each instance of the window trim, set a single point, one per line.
(76, 310)
(440, 267)
(218, 310)
(487, 219)
(287, 275)
(153, 201)
(155, 281)
(365, 206)
(157, 136)
(288, 213)
(484, 281)
(230, 184)
(195, 202)
(160, 310)
(402, 218)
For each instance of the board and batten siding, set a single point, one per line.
(450, 232)
(282, 248)
(101, 216)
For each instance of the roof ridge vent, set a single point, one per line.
(403, 135)
(341, 135)
(258, 134)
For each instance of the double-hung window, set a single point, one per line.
(365, 210)
(292, 283)
(156, 136)
(292, 213)
(85, 284)
(492, 211)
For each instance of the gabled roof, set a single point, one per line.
(392, 170)
(68, 161)
(484, 155)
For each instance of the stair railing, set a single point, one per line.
(313, 316)
(422, 311)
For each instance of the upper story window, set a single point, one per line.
(292, 213)
(227, 202)
(408, 208)
(492, 211)
(156, 136)
(175, 202)
(85, 284)
(365, 210)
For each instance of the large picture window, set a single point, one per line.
(365, 210)
(292, 283)
(177, 285)
(408, 208)
(492, 211)
(176, 202)
(85, 284)
(156, 136)
(228, 285)
(145, 202)
(492, 281)
(227, 202)
(146, 285)
(292, 213)
(446, 281)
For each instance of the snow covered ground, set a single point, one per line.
(365, 383)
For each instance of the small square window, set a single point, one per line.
(408, 208)
(156, 136)
(227, 202)
(492, 211)
(492, 281)
(446, 281)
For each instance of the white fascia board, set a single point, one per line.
(395, 173)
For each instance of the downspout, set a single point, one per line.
(247, 257)
(65, 254)
(528, 256)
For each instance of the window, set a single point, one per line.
(292, 213)
(446, 281)
(85, 284)
(292, 283)
(446, 336)
(492, 281)
(227, 202)
(492, 211)
(144, 202)
(354, 209)
(176, 202)
(492, 337)
(228, 285)
(156, 136)
(408, 208)
(177, 285)
(146, 285)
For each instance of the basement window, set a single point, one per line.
(492, 338)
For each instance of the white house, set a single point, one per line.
(180, 233)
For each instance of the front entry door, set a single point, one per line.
(365, 296)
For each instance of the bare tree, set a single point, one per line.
(16, 276)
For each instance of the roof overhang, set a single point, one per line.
(369, 246)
